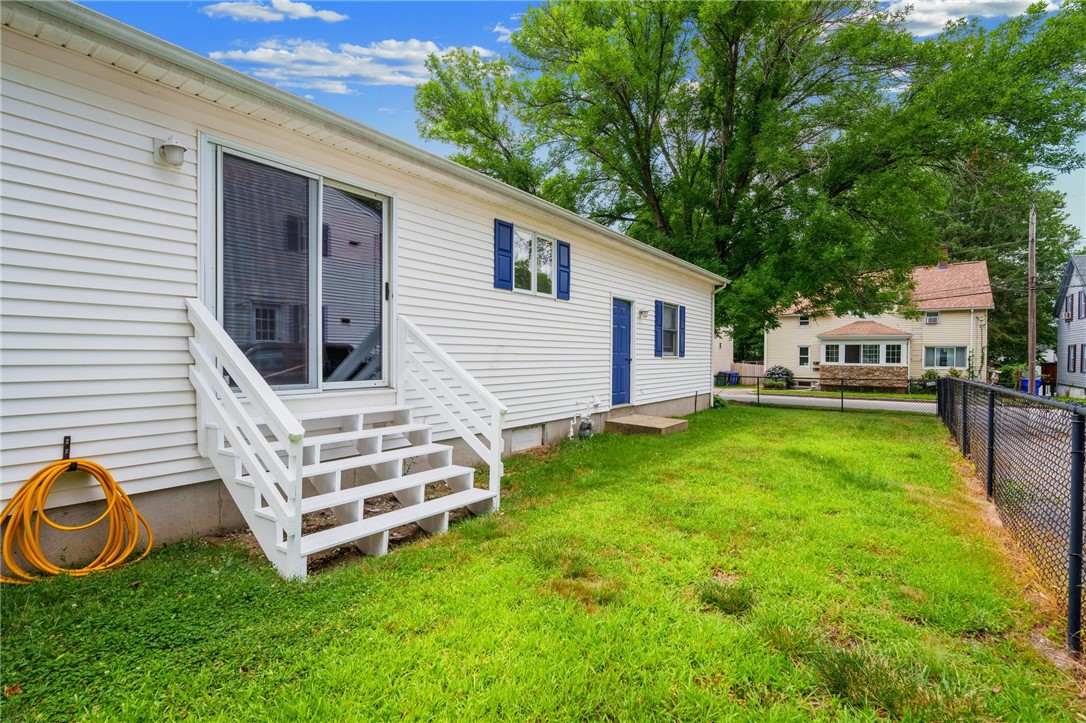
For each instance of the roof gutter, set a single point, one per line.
(110, 32)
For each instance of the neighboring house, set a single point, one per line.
(1070, 313)
(723, 352)
(175, 230)
(887, 349)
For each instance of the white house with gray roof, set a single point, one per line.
(239, 301)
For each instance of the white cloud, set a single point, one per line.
(313, 64)
(929, 16)
(269, 12)
(504, 33)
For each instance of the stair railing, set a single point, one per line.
(422, 363)
(219, 409)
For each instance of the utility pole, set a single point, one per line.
(1031, 354)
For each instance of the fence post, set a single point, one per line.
(758, 391)
(842, 395)
(991, 442)
(965, 421)
(1074, 552)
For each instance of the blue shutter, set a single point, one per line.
(563, 270)
(658, 324)
(682, 331)
(503, 255)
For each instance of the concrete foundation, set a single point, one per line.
(174, 514)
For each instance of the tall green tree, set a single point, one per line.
(987, 218)
(803, 149)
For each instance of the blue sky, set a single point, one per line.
(363, 59)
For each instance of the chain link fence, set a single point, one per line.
(891, 394)
(1030, 453)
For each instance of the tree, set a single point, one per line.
(806, 150)
(987, 219)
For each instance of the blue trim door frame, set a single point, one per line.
(621, 351)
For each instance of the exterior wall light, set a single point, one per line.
(170, 152)
(643, 314)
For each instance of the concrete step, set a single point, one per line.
(645, 424)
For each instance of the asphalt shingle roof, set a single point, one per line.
(865, 328)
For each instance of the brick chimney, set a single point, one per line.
(944, 261)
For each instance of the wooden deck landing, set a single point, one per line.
(644, 424)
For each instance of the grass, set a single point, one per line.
(763, 566)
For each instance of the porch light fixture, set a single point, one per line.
(643, 314)
(170, 152)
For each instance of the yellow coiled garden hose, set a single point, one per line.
(23, 515)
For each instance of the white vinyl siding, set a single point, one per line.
(1071, 334)
(99, 254)
(101, 250)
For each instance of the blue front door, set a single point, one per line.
(620, 352)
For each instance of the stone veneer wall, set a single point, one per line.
(833, 376)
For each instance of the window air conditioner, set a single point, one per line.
(931, 319)
(1068, 315)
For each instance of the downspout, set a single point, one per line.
(972, 346)
(712, 340)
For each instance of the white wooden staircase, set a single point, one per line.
(279, 466)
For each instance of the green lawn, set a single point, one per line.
(766, 565)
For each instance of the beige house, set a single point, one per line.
(951, 332)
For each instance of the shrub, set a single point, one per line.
(1011, 375)
(780, 374)
(930, 375)
(956, 373)
(774, 384)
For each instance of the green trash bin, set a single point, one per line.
(722, 379)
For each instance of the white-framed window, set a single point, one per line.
(533, 262)
(945, 357)
(871, 353)
(804, 320)
(301, 271)
(267, 322)
(805, 356)
(931, 317)
(669, 327)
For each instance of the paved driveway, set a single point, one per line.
(748, 396)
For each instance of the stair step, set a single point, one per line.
(354, 461)
(357, 435)
(341, 535)
(367, 460)
(375, 489)
(342, 413)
